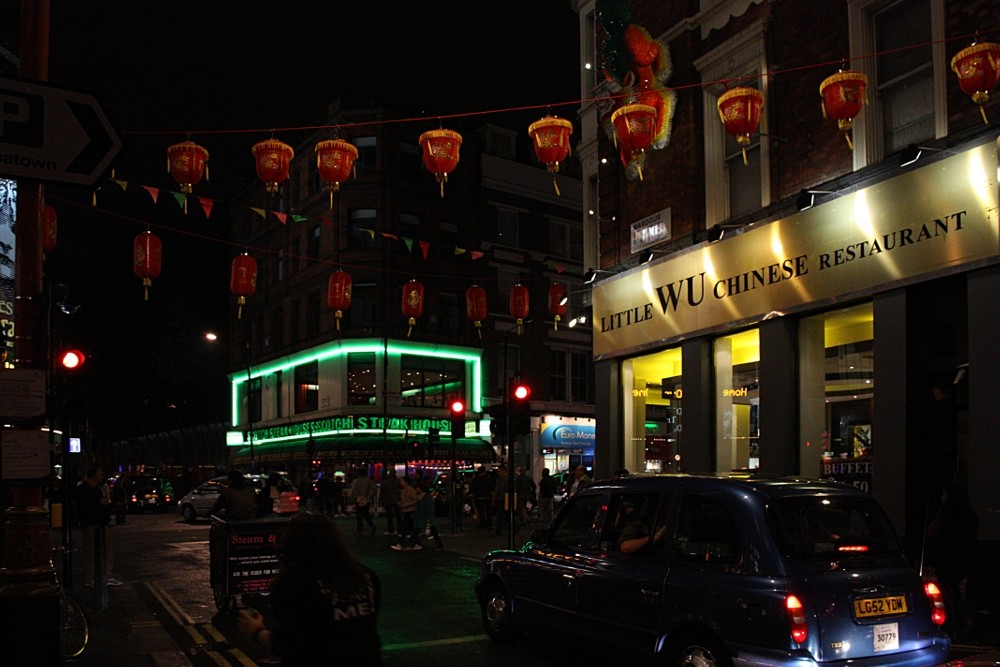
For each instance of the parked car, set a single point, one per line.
(150, 493)
(198, 503)
(700, 570)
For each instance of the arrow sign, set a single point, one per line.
(53, 134)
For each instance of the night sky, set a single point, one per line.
(228, 73)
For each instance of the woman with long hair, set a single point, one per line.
(324, 600)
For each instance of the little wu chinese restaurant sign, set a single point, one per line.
(937, 218)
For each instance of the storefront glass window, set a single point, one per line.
(737, 401)
(653, 416)
(430, 381)
(361, 379)
(307, 387)
(836, 383)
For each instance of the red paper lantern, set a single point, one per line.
(557, 302)
(635, 127)
(520, 304)
(978, 69)
(843, 97)
(550, 137)
(338, 293)
(413, 303)
(187, 162)
(50, 227)
(335, 161)
(147, 256)
(739, 109)
(440, 148)
(475, 307)
(243, 280)
(273, 158)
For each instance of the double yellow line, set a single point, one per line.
(203, 635)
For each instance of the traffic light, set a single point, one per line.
(433, 438)
(498, 420)
(415, 450)
(520, 409)
(456, 409)
(71, 360)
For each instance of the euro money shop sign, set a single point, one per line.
(938, 218)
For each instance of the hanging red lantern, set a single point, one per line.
(550, 137)
(413, 303)
(739, 109)
(338, 293)
(843, 97)
(187, 162)
(440, 149)
(335, 161)
(978, 70)
(557, 302)
(50, 227)
(520, 304)
(635, 127)
(147, 257)
(243, 280)
(475, 307)
(273, 158)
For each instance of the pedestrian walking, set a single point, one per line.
(120, 495)
(407, 508)
(93, 511)
(547, 486)
(238, 501)
(502, 500)
(389, 493)
(482, 497)
(524, 493)
(423, 521)
(338, 494)
(325, 601)
(363, 493)
(581, 480)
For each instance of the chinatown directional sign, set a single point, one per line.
(53, 134)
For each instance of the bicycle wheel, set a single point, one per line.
(74, 631)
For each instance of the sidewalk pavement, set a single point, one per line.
(130, 634)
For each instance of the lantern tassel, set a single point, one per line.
(331, 198)
(982, 110)
(340, 314)
(850, 144)
(479, 329)
(555, 324)
(239, 309)
(556, 185)
(410, 330)
(519, 323)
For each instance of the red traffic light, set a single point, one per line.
(521, 392)
(71, 360)
(457, 407)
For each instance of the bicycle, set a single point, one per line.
(74, 630)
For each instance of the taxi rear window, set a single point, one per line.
(824, 527)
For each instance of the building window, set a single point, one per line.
(566, 239)
(254, 402)
(361, 378)
(364, 302)
(450, 313)
(907, 87)
(279, 404)
(581, 378)
(430, 381)
(836, 386)
(313, 244)
(313, 314)
(410, 161)
(557, 375)
(509, 361)
(361, 228)
(737, 401)
(507, 226)
(743, 187)
(307, 387)
(365, 163)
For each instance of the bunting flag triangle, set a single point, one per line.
(206, 205)
(459, 251)
(409, 244)
(389, 236)
(476, 254)
(122, 184)
(153, 192)
(282, 217)
(260, 212)
(371, 233)
(424, 247)
(182, 200)
(298, 218)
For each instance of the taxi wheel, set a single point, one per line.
(189, 514)
(698, 652)
(497, 619)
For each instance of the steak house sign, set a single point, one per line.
(935, 218)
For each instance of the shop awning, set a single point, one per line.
(362, 448)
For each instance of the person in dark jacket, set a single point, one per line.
(238, 500)
(951, 550)
(325, 601)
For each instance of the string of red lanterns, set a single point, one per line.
(557, 303)
(739, 109)
(440, 152)
(147, 258)
(978, 70)
(413, 303)
(338, 293)
(475, 307)
(243, 280)
(550, 137)
(273, 158)
(335, 160)
(843, 97)
(520, 305)
(635, 127)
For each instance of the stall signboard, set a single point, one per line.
(252, 558)
(855, 471)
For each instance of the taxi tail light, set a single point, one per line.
(937, 602)
(797, 619)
